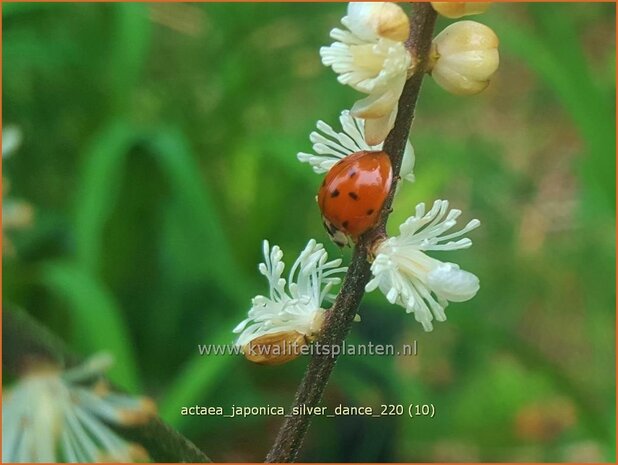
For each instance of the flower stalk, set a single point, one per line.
(337, 325)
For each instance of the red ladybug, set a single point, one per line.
(353, 193)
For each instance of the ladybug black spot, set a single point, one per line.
(352, 174)
(370, 211)
(345, 224)
(354, 195)
(334, 193)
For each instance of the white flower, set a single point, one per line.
(371, 58)
(419, 283)
(330, 146)
(55, 416)
(297, 308)
(11, 140)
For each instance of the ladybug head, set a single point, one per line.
(340, 238)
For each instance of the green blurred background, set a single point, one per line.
(159, 150)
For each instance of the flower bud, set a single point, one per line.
(284, 346)
(384, 19)
(276, 348)
(460, 9)
(464, 57)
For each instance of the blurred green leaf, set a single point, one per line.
(130, 47)
(10, 9)
(96, 321)
(570, 80)
(159, 150)
(195, 381)
(173, 153)
(97, 194)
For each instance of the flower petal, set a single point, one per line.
(454, 284)
(376, 130)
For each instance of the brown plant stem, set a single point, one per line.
(340, 317)
(26, 342)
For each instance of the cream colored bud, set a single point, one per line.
(460, 9)
(394, 23)
(384, 19)
(464, 57)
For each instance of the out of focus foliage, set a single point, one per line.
(159, 150)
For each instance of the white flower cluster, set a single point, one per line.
(293, 305)
(331, 146)
(407, 276)
(370, 56)
(51, 415)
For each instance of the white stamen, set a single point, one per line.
(308, 284)
(410, 278)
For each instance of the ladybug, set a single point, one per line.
(352, 194)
